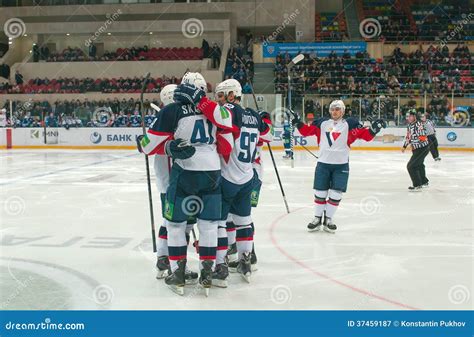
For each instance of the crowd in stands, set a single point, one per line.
(438, 107)
(242, 71)
(75, 54)
(83, 85)
(423, 20)
(81, 113)
(434, 70)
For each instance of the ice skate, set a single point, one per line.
(245, 268)
(190, 277)
(316, 224)
(176, 280)
(205, 280)
(329, 226)
(219, 276)
(233, 266)
(232, 252)
(253, 259)
(162, 267)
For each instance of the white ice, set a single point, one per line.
(75, 234)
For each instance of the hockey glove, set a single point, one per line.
(294, 119)
(179, 149)
(264, 115)
(139, 143)
(188, 94)
(377, 125)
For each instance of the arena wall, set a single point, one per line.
(457, 139)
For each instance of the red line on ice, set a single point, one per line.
(325, 276)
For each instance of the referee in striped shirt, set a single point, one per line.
(431, 133)
(416, 137)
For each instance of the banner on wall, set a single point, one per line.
(458, 138)
(320, 48)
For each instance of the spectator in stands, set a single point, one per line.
(5, 71)
(205, 48)
(36, 53)
(92, 51)
(44, 52)
(216, 55)
(18, 78)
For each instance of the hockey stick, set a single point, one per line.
(155, 107)
(304, 147)
(268, 144)
(298, 58)
(147, 164)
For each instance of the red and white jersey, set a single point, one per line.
(335, 137)
(192, 124)
(248, 130)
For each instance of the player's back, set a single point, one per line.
(239, 168)
(188, 123)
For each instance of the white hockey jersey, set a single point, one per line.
(248, 130)
(189, 123)
(335, 137)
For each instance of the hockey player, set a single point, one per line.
(286, 137)
(162, 166)
(431, 134)
(186, 131)
(238, 176)
(334, 136)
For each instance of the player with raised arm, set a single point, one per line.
(187, 132)
(238, 176)
(334, 136)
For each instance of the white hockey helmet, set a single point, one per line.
(230, 85)
(195, 79)
(166, 94)
(337, 104)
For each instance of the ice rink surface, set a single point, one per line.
(75, 234)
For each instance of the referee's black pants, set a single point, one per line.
(416, 166)
(433, 144)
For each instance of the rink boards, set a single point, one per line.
(461, 139)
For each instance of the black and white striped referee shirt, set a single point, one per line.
(430, 127)
(416, 136)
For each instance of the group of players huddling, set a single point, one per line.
(208, 170)
(207, 156)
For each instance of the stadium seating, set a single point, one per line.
(330, 26)
(130, 54)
